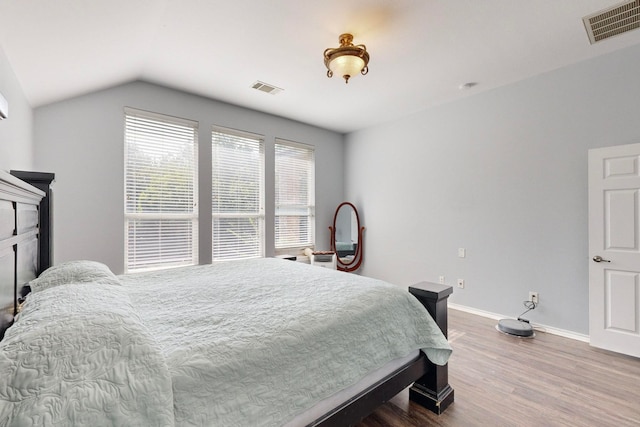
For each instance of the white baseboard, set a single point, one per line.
(536, 326)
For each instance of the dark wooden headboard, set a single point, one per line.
(42, 181)
(20, 241)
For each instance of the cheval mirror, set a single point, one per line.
(346, 237)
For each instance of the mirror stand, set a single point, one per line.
(347, 237)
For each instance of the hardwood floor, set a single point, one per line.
(501, 380)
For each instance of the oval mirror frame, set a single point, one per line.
(353, 261)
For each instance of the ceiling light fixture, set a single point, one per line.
(346, 60)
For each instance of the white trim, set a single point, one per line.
(160, 215)
(19, 190)
(237, 132)
(295, 144)
(538, 327)
(164, 118)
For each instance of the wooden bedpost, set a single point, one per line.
(432, 390)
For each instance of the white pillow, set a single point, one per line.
(74, 272)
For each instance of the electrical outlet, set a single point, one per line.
(462, 252)
(533, 297)
(441, 280)
(461, 283)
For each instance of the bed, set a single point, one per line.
(345, 249)
(258, 342)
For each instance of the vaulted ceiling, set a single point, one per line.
(421, 50)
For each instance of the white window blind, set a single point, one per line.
(295, 195)
(161, 191)
(237, 195)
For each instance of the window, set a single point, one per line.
(161, 191)
(295, 195)
(237, 165)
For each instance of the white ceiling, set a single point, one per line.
(421, 50)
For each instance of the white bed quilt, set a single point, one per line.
(78, 355)
(254, 343)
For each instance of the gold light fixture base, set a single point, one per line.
(347, 59)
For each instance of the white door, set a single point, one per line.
(614, 248)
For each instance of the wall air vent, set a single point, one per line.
(266, 87)
(615, 20)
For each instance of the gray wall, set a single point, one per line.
(502, 174)
(81, 141)
(16, 136)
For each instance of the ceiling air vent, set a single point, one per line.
(266, 87)
(613, 21)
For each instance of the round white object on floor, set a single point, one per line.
(516, 328)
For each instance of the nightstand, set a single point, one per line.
(326, 259)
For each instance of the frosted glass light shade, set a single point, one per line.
(346, 65)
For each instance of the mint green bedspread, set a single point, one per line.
(254, 343)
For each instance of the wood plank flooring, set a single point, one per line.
(501, 380)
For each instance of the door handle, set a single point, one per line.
(598, 258)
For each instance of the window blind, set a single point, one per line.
(237, 195)
(161, 191)
(295, 195)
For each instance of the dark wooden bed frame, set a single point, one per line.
(20, 235)
(25, 251)
(430, 388)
